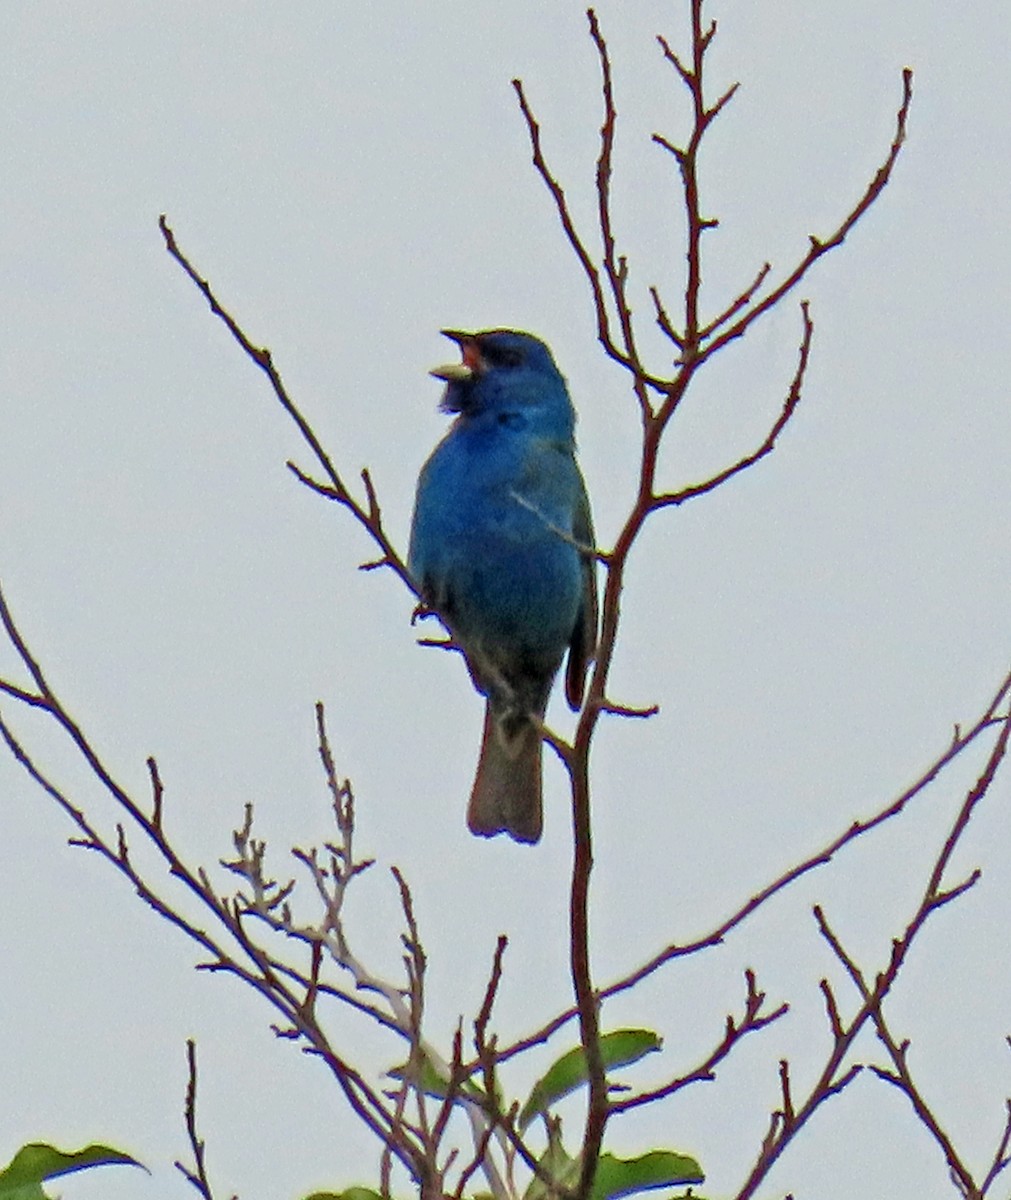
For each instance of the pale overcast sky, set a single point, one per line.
(352, 178)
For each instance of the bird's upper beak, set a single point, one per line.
(460, 372)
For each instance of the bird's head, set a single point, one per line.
(510, 375)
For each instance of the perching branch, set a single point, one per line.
(368, 515)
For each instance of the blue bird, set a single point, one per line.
(502, 549)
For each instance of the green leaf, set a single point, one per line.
(433, 1083)
(351, 1193)
(427, 1079)
(22, 1179)
(659, 1168)
(555, 1160)
(618, 1049)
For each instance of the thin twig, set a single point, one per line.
(197, 1175)
(753, 1019)
(367, 515)
(786, 412)
(821, 246)
(935, 896)
(962, 739)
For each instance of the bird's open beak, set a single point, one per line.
(453, 372)
(460, 372)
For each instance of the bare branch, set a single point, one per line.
(367, 515)
(568, 225)
(749, 460)
(935, 897)
(821, 246)
(615, 266)
(197, 1175)
(741, 302)
(484, 1016)
(957, 746)
(663, 319)
(1001, 1156)
(687, 161)
(789, 1115)
(755, 1017)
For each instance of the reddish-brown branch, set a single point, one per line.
(961, 741)
(17, 693)
(663, 318)
(568, 225)
(786, 412)
(687, 161)
(935, 896)
(830, 1082)
(368, 515)
(735, 307)
(753, 1019)
(582, 981)
(615, 265)
(821, 246)
(494, 979)
(263, 973)
(197, 1175)
(1001, 1157)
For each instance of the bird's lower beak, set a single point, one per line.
(453, 372)
(462, 371)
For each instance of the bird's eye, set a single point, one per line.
(502, 356)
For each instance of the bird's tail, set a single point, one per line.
(506, 797)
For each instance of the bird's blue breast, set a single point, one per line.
(495, 504)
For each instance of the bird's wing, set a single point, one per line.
(583, 644)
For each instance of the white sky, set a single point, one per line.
(352, 178)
